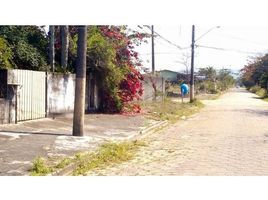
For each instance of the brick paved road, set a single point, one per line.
(228, 137)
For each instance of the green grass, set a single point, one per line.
(106, 155)
(265, 99)
(170, 110)
(40, 168)
(64, 162)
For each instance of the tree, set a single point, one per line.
(80, 82)
(64, 46)
(210, 75)
(6, 55)
(28, 45)
(225, 79)
(209, 72)
(256, 72)
(52, 47)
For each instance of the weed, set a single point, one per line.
(170, 110)
(40, 168)
(64, 162)
(108, 154)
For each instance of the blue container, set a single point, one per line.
(184, 89)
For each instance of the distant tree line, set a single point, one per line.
(210, 80)
(254, 75)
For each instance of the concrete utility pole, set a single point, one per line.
(153, 67)
(52, 47)
(192, 66)
(80, 83)
(64, 46)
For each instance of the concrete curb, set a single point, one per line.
(151, 129)
(67, 171)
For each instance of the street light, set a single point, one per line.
(192, 59)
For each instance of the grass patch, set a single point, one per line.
(64, 162)
(40, 168)
(170, 110)
(106, 155)
(265, 99)
(261, 92)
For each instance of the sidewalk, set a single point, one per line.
(21, 143)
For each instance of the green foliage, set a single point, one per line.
(101, 58)
(262, 92)
(214, 81)
(63, 163)
(101, 61)
(209, 72)
(170, 110)
(255, 89)
(256, 72)
(6, 55)
(107, 154)
(28, 57)
(264, 80)
(40, 168)
(28, 46)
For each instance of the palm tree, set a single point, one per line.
(80, 82)
(52, 47)
(64, 46)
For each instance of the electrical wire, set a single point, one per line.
(223, 49)
(241, 39)
(166, 40)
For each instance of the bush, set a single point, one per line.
(255, 89)
(6, 54)
(262, 92)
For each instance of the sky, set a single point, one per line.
(238, 44)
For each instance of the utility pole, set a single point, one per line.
(80, 83)
(52, 47)
(192, 66)
(153, 67)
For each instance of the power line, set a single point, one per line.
(167, 53)
(223, 49)
(241, 39)
(166, 40)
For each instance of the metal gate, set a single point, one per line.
(30, 93)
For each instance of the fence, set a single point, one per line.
(27, 95)
(154, 88)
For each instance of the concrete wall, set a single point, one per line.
(4, 111)
(149, 91)
(7, 99)
(60, 93)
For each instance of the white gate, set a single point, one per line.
(31, 93)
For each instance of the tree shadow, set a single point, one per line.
(35, 133)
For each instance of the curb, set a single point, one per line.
(154, 127)
(67, 171)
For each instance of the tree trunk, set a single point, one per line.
(80, 83)
(52, 47)
(64, 46)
